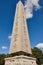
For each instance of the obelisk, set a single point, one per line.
(19, 39)
(20, 49)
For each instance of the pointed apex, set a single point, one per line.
(20, 2)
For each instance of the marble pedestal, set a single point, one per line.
(20, 60)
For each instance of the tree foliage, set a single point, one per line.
(38, 54)
(2, 56)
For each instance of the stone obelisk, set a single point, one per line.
(20, 50)
(19, 39)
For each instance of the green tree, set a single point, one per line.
(37, 53)
(2, 57)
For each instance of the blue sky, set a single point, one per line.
(35, 24)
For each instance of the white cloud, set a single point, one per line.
(9, 37)
(29, 6)
(4, 47)
(40, 45)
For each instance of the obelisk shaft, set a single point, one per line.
(20, 40)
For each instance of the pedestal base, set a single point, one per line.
(20, 60)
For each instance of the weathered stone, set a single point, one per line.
(20, 60)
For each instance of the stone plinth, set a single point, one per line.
(20, 60)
